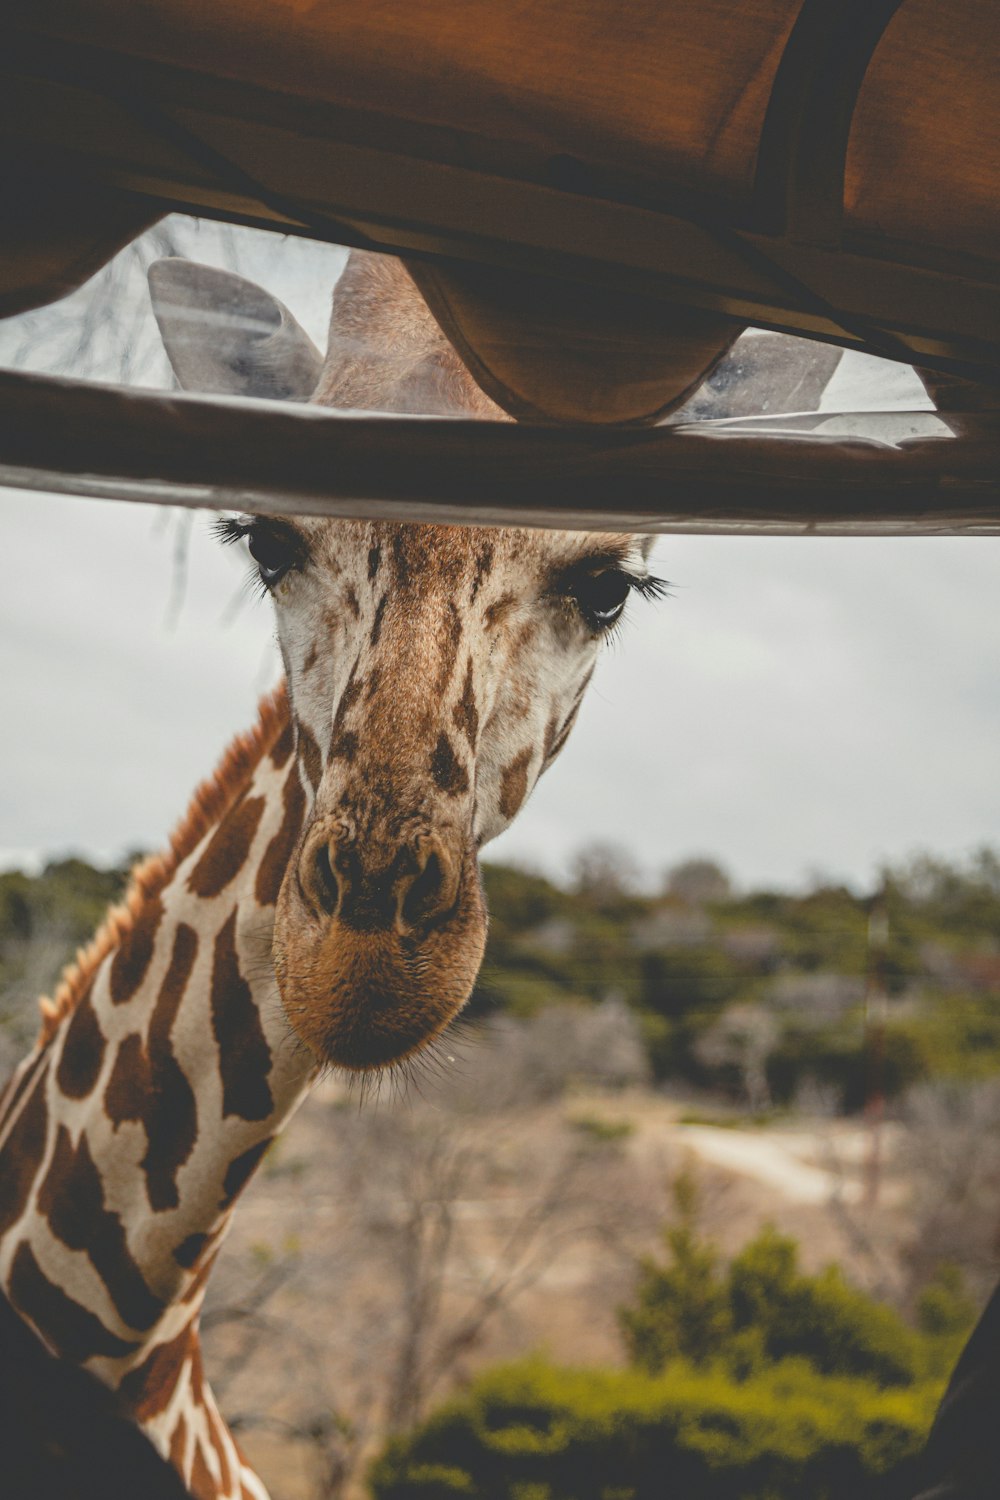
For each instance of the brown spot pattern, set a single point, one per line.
(498, 609)
(352, 603)
(23, 1153)
(147, 1389)
(484, 563)
(244, 1056)
(127, 1086)
(227, 849)
(82, 1052)
(171, 1115)
(149, 1087)
(350, 695)
(134, 952)
(285, 743)
(187, 1252)
(200, 1279)
(380, 609)
(374, 559)
(551, 729)
(241, 1169)
(272, 867)
(201, 1484)
(312, 761)
(401, 561)
(197, 1376)
(448, 772)
(563, 734)
(218, 1437)
(514, 784)
(465, 714)
(71, 1330)
(72, 1199)
(20, 1084)
(450, 640)
(344, 746)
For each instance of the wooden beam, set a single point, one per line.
(865, 474)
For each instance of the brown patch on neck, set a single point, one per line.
(71, 1198)
(244, 1055)
(148, 1085)
(24, 1150)
(82, 1053)
(209, 805)
(146, 1390)
(73, 1331)
(312, 761)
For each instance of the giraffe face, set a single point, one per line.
(434, 673)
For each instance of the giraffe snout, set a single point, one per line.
(408, 888)
(375, 952)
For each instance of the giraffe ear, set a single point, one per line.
(386, 352)
(226, 336)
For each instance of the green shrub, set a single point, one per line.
(763, 1309)
(534, 1430)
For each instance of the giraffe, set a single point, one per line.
(320, 903)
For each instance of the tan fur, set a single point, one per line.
(211, 801)
(386, 352)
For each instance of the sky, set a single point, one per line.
(798, 708)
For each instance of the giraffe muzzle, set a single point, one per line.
(374, 957)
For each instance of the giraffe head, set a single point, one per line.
(434, 671)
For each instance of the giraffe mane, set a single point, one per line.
(211, 801)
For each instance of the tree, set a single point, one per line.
(759, 1311)
(681, 1310)
(698, 881)
(605, 874)
(951, 1145)
(742, 1039)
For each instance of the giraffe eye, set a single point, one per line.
(273, 552)
(275, 546)
(601, 596)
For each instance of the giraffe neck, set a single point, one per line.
(163, 1071)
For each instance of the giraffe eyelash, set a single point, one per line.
(648, 586)
(231, 529)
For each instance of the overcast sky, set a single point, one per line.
(798, 706)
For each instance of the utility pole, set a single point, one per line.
(876, 1010)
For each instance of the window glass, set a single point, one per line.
(226, 337)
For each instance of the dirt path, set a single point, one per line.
(777, 1160)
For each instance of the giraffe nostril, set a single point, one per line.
(327, 885)
(422, 899)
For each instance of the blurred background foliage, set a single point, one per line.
(718, 983)
(608, 1019)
